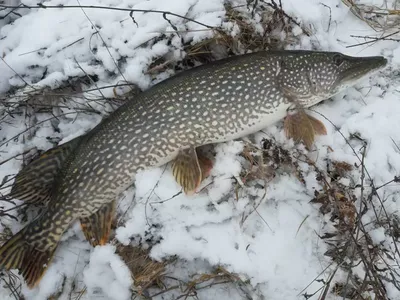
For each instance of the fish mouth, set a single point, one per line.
(360, 67)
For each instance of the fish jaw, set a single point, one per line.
(357, 69)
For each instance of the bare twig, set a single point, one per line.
(374, 40)
(104, 42)
(42, 6)
(15, 72)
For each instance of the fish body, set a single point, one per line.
(213, 103)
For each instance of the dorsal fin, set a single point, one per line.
(34, 182)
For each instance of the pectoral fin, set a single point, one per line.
(97, 227)
(34, 182)
(302, 127)
(319, 127)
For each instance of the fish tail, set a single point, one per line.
(18, 253)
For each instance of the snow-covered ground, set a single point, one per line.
(276, 248)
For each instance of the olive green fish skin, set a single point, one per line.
(217, 102)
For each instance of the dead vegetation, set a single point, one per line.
(351, 247)
(251, 36)
(265, 34)
(190, 289)
(8, 279)
(265, 162)
(206, 280)
(385, 20)
(12, 283)
(145, 272)
(153, 279)
(379, 18)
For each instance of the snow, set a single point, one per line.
(378, 235)
(269, 234)
(108, 272)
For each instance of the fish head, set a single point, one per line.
(309, 77)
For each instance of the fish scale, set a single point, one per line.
(213, 103)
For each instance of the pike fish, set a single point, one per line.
(212, 103)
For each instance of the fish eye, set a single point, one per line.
(338, 59)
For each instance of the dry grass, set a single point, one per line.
(152, 279)
(385, 20)
(250, 38)
(71, 95)
(145, 272)
(267, 161)
(12, 283)
(350, 245)
(378, 18)
(182, 289)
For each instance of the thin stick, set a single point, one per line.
(108, 8)
(15, 72)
